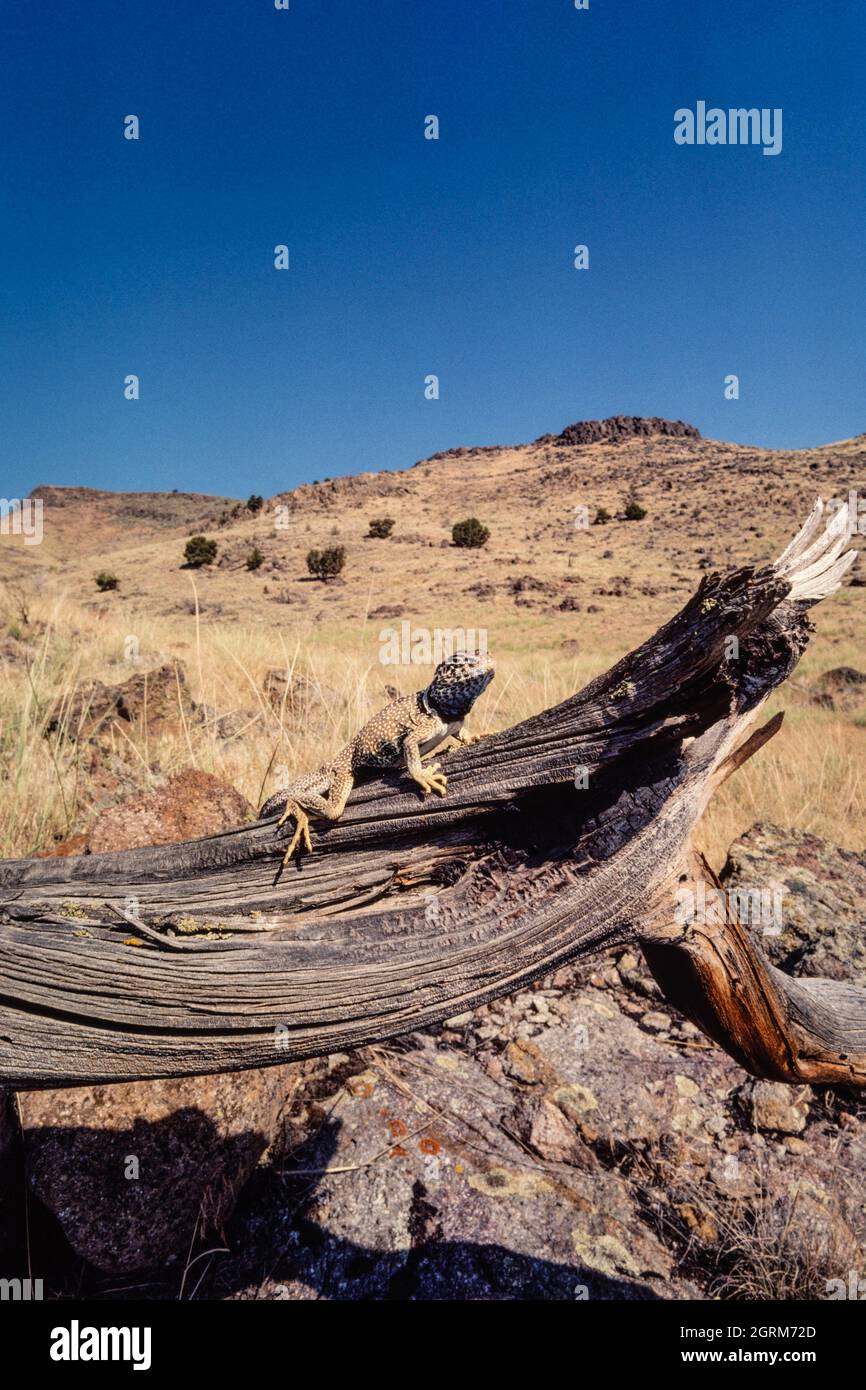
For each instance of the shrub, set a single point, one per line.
(255, 503)
(633, 510)
(199, 550)
(469, 534)
(325, 564)
(255, 558)
(106, 581)
(381, 527)
(602, 517)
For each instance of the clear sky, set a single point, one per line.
(411, 256)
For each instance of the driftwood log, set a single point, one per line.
(560, 837)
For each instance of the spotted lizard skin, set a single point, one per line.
(399, 735)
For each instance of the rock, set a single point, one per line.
(291, 692)
(655, 1022)
(620, 427)
(794, 1145)
(699, 1221)
(629, 972)
(540, 1124)
(150, 701)
(190, 805)
(130, 1169)
(459, 1020)
(775, 1106)
(842, 688)
(521, 1062)
(226, 726)
(456, 1210)
(823, 892)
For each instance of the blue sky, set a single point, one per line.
(411, 256)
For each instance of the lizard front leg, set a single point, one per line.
(452, 742)
(464, 738)
(429, 778)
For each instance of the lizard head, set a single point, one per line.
(458, 682)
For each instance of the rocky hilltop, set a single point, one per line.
(617, 428)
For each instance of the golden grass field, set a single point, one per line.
(709, 505)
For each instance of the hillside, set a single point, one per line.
(708, 503)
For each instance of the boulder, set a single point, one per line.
(291, 692)
(150, 701)
(135, 1172)
(189, 805)
(777, 1107)
(843, 688)
(823, 900)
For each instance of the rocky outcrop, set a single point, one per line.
(822, 925)
(148, 700)
(134, 1173)
(617, 428)
(291, 692)
(843, 688)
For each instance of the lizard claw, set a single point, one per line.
(302, 829)
(436, 780)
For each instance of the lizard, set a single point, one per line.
(406, 730)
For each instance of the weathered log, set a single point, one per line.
(567, 834)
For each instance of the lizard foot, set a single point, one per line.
(302, 828)
(432, 780)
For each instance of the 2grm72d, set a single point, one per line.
(750, 1334)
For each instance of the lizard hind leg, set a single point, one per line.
(308, 799)
(302, 828)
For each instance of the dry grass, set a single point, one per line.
(782, 1249)
(783, 1240)
(810, 777)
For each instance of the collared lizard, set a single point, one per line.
(401, 733)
